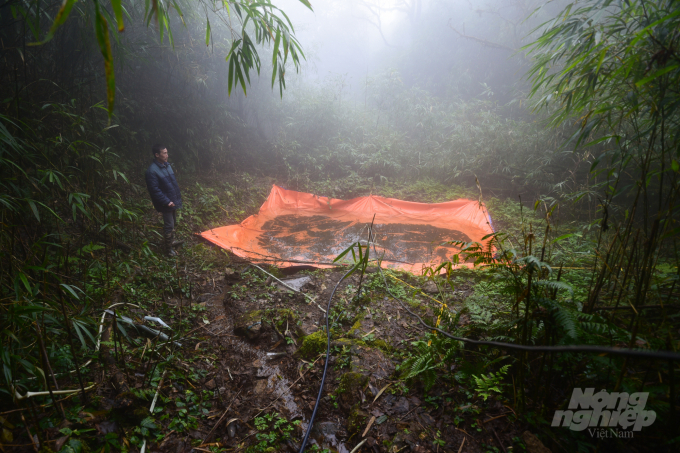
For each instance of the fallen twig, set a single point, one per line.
(368, 427)
(499, 440)
(499, 416)
(462, 443)
(355, 449)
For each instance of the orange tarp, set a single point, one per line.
(295, 228)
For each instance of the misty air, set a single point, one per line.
(339, 226)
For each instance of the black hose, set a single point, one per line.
(325, 367)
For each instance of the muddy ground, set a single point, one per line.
(263, 351)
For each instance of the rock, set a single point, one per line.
(349, 389)
(249, 324)
(196, 434)
(231, 430)
(430, 287)
(326, 428)
(260, 386)
(210, 385)
(533, 443)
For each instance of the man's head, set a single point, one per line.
(160, 152)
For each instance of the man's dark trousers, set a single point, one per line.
(169, 221)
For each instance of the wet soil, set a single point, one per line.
(264, 373)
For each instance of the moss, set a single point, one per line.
(356, 420)
(380, 344)
(351, 383)
(349, 342)
(348, 390)
(356, 330)
(356, 326)
(252, 316)
(313, 344)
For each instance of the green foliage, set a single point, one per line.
(272, 430)
(259, 23)
(491, 382)
(426, 358)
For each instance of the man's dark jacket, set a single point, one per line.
(163, 187)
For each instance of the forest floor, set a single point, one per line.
(245, 366)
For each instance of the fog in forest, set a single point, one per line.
(459, 216)
(406, 67)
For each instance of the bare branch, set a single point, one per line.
(378, 27)
(484, 42)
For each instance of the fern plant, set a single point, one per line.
(485, 384)
(426, 359)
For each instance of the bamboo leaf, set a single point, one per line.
(277, 41)
(230, 80)
(239, 76)
(657, 74)
(59, 20)
(102, 32)
(27, 285)
(70, 289)
(31, 203)
(118, 12)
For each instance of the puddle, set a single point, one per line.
(276, 382)
(322, 238)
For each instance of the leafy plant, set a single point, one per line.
(272, 430)
(492, 382)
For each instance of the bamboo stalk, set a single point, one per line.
(49, 368)
(73, 351)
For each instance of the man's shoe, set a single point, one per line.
(168, 242)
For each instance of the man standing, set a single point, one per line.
(165, 195)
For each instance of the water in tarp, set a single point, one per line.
(295, 228)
